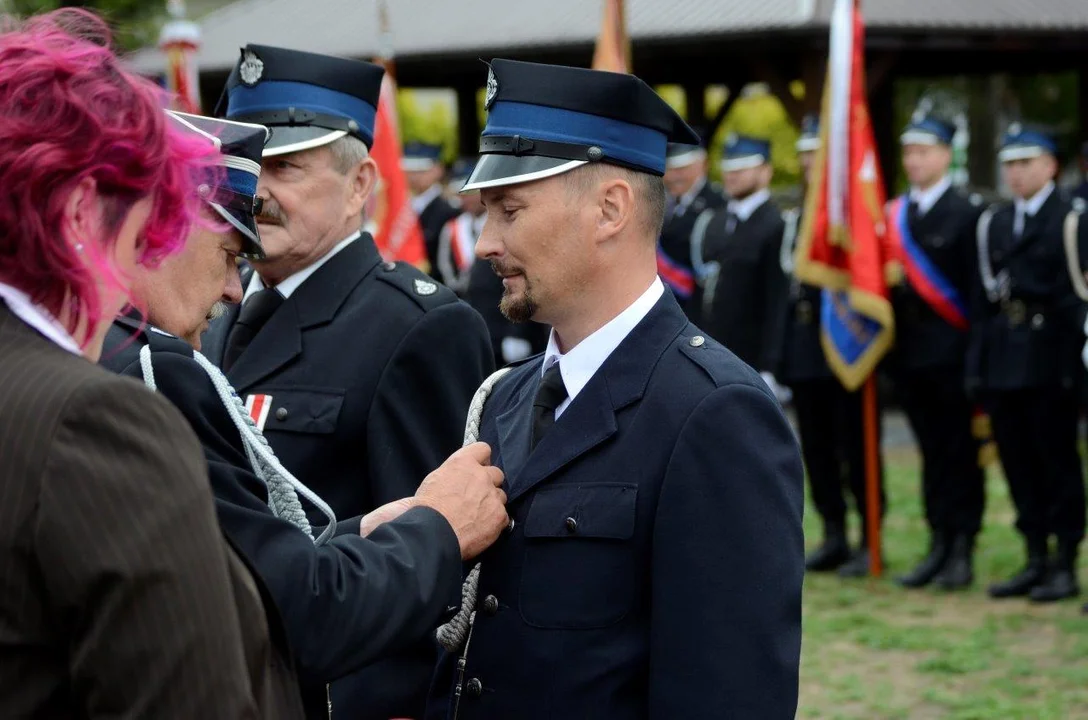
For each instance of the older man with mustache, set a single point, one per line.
(333, 604)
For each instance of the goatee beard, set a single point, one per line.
(518, 309)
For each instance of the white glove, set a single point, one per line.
(781, 392)
(515, 348)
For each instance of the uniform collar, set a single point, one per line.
(582, 361)
(425, 198)
(37, 317)
(292, 282)
(745, 208)
(1032, 205)
(685, 200)
(926, 199)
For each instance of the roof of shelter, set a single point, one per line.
(432, 27)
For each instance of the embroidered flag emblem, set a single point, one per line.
(258, 406)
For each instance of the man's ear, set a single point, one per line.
(363, 180)
(617, 207)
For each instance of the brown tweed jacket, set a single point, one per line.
(118, 594)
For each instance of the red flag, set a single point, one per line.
(613, 51)
(399, 235)
(843, 244)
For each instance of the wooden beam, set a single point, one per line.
(695, 97)
(468, 122)
(733, 88)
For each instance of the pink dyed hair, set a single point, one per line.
(72, 112)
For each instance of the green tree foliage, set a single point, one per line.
(135, 22)
(757, 113)
(428, 116)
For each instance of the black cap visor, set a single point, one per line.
(496, 170)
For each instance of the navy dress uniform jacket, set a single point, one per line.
(1032, 337)
(746, 312)
(371, 368)
(434, 217)
(336, 607)
(655, 566)
(676, 235)
(946, 234)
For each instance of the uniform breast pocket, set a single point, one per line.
(304, 410)
(579, 566)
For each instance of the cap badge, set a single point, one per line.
(425, 288)
(731, 139)
(1015, 129)
(918, 116)
(251, 69)
(492, 89)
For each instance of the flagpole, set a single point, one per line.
(871, 423)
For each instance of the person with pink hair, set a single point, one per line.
(118, 595)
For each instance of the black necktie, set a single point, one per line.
(912, 212)
(550, 395)
(254, 314)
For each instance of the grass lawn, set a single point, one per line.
(874, 651)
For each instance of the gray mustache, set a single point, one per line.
(217, 311)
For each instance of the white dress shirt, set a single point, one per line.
(1030, 206)
(583, 360)
(685, 200)
(421, 201)
(38, 318)
(743, 209)
(926, 199)
(293, 282)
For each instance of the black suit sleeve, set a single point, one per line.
(417, 418)
(131, 556)
(978, 312)
(343, 604)
(775, 299)
(725, 636)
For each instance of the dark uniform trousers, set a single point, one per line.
(830, 419)
(656, 561)
(744, 308)
(369, 369)
(675, 243)
(927, 365)
(408, 570)
(1024, 360)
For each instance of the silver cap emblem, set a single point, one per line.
(251, 69)
(492, 89)
(425, 287)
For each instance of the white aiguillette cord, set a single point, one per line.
(283, 487)
(455, 634)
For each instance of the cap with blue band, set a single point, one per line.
(544, 120)
(1023, 143)
(927, 128)
(681, 155)
(810, 134)
(305, 99)
(240, 146)
(742, 152)
(420, 156)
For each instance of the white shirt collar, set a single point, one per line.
(1032, 205)
(689, 197)
(293, 282)
(926, 199)
(743, 209)
(583, 360)
(421, 201)
(38, 318)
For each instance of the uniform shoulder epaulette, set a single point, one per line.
(162, 341)
(413, 282)
(711, 356)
